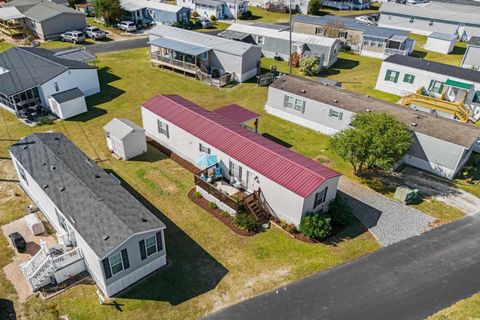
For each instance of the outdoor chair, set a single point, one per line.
(217, 172)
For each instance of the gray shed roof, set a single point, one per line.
(443, 36)
(209, 3)
(474, 40)
(94, 202)
(120, 127)
(68, 95)
(435, 67)
(428, 124)
(200, 39)
(350, 23)
(439, 11)
(235, 35)
(31, 67)
(184, 47)
(76, 54)
(41, 10)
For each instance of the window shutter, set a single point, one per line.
(303, 107)
(230, 168)
(440, 90)
(285, 101)
(387, 75)
(325, 195)
(143, 253)
(126, 263)
(430, 86)
(106, 268)
(168, 131)
(330, 113)
(239, 172)
(159, 241)
(412, 78)
(316, 200)
(396, 77)
(340, 116)
(200, 147)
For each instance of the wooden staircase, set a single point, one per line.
(255, 206)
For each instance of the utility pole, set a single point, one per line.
(290, 37)
(235, 8)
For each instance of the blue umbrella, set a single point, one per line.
(206, 160)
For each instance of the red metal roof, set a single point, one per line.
(237, 113)
(289, 169)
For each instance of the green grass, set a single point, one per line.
(210, 266)
(262, 15)
(438, 210)
(5, 46)
(454, 58)
(468, 309)
(473, 167)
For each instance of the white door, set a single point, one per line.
(250, 181)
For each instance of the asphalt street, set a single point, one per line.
(411, 279)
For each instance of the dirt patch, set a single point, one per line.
(217, 213)
(53, 290)
(175, 157)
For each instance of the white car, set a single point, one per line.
(127, 26)
(365, 20)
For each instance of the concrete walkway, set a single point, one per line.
(388, 220)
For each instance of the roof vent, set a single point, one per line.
(144, 220)
(52, 168)
(44, 164)
(56, 138)
(106, 237)
(335, 100)
(303, 90)
(368, 110)
(414, 124)
(25, 147)
(45, 186)
(97, 176)
(62, 188)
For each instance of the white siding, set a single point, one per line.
(68, 109)
(285, 203)
(438, 45)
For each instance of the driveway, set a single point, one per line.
(118, 45)
(388, 220)
(409, 280)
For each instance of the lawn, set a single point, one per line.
(262, 15)
(454, 58)
(209, 266)
(462, 310)
(5, 45)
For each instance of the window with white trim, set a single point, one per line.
(21, 172)
(116, 263)
(55, 84)
(320, 197)
(204, 149)
(299, 105)
(335, 114)
(288, 102)
(151, 245)
(163, 128)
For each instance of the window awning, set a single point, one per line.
(183, 47)
(458, 84)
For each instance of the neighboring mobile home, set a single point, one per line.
(125, 138)
(440, 146)
(274, 41)
(441, 42)
(30, 76)
(44, 19)
(346, 4)
(211, 59)
(100, 226)
(471, 58)
(364, 39)
(446, 90)
(221, 10)
(146, 12)
(450, 18)
(290, 184)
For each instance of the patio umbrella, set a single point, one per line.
(206, 160)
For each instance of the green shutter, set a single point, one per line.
(412, 78)
(396, 77)
(441, 88)
(430, 86)
(387, 76)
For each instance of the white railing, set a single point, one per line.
(63, 238)
(41, 274)
(67, 258)
(391, 52)
(37, 260)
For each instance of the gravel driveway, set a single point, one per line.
(388, 220)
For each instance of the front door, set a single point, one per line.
(250, 181)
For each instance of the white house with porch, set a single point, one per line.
(99, 225)
(278, 180)
(442, 89)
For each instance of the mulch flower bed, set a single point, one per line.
(295, 235)
(218, 213)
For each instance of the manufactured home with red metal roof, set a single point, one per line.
(288, 184)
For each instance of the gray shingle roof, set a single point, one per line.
(435, 67)
(92, 200)
(442, 36)
(68, 95)
(120, 127)
(209, 3)
(76, 54)
(441, 128)
(350, 23)
(41, 10)
(31, 67)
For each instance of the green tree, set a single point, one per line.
(374, 140)
(310, 65)
(110, 10)
(314, 7)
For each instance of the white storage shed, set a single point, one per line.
(441, 42)
(34, 224)
(125, 138)
(67, 104)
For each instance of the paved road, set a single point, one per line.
(388, 220)
(118, 45)
(408, 280)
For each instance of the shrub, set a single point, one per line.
(291, 228)
(195, 14)
(213, 18)
(244, 221)
(316, 225)
(198, 195)
(340, 212)
(283, 224)
(225, 213)
(247, 14)
(212, 205)
(314, 7)
(310, 65)
(45, 122)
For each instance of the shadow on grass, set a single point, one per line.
(419, 54)
(108, 93)
(152, 155)
(7, 309)
(277, 140)
(192, 271)
(345, 64)
(458, 51)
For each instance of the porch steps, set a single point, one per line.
(253, 206)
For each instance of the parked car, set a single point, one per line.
(365, 20)
(204, 23)
(18, 241)
(127, 26)
(95, 33)
(413, 2)
(73, 36)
